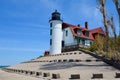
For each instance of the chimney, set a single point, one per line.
(86, 25)
(78, 25)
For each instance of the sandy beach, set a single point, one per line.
(12, 76)
(87, 66)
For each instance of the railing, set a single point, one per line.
(73, 47)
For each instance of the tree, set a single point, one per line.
(111, 23)
(117, 4)
(101, 6)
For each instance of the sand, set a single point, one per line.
(84, 68)
(13, 76)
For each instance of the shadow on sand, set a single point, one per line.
(64, 65)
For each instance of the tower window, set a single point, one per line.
(50, 24)
(50, 41)
(66, 33)
(50, 31)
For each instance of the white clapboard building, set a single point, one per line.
(64, 34)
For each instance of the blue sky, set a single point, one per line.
(24, 24)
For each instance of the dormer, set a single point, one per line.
(79, 32)
(86, 33)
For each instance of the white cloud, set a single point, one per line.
(83, 10)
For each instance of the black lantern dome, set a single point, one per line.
(55, 15)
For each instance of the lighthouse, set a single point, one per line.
(55, 33)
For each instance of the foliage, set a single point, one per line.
(98, 47)
(110, 46)
(101, 7)
(94, 46)
(118, 40)
(39, 57)
(98, 44)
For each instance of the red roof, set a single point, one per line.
(75, 28)
(97, 30)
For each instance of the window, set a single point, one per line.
(50, 41)
(83, 42)
(90, 43)
(87, 41)
(79, 32)
(63, 43)
(50, 24)
(50, 31)
(78, 41)
(66, 33)
(100, 36)
(87, 33)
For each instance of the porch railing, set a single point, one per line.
(73, 47)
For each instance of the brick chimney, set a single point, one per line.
(46, 53)
(78, 25)
(86, 25)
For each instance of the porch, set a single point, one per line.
(74, 47)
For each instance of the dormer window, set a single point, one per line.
(79, 32)
(87, 33)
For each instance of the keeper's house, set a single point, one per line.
(65, 35)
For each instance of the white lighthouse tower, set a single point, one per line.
(55, 33)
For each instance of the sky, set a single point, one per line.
(24, 24)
